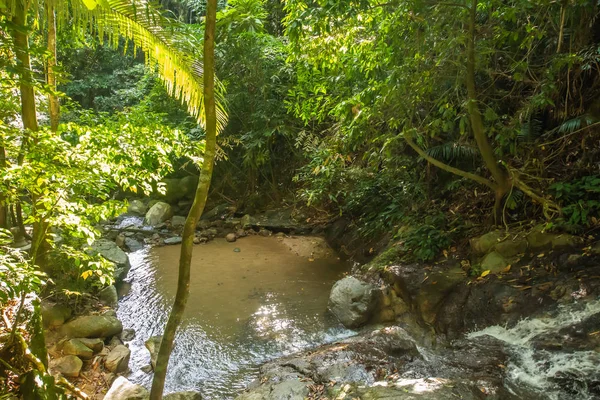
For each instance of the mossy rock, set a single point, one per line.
(511, 247)
(484, 243)
(494, 262)
(539, 238)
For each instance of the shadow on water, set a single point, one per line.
(250, 301)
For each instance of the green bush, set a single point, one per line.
(580, 200)
(426, 241)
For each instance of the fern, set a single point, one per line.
(530, 130)
(575, 124)
(453, 152)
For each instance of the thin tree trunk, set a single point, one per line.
(51, 73)
(3, 203)
(487, 153)
(187, 244)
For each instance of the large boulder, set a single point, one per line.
(137, 207)
(177, 189)
(352, 301)
(494, 262)
(153, 345)
(188, 395)
(54, 315)
(96, 344)
(483, 244)
(159, 212)
(109, 250)
(118, 359)
(122, 389)
(92, 326)
(109, 296)
(539, 238)
(75, 347)
(69, 366)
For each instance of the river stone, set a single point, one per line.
(109, 250)
(153, 345)
(540, 238)
(92, 326)
(95, 344)
(69, 366)
(231, 237)
(159, 212)
(54, 315)
(179, 188)
(188, 395)
(483, 244)
(122, 389)
(109, 296)
(352, 301)
(494, 262)
(137, 207)
(75, 347)
(132, 244)
(510, 248)
(173, 240)
(128, 335)
(118, 359)
(177, 221)
(216, 212)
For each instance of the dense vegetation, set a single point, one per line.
(413, 120)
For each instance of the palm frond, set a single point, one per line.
(530, 130)
(452, 152)
(574, 124)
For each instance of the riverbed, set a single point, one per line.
(250, 301)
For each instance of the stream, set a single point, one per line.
(250, 301)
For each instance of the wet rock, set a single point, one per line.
(237, 250)
(153, 346)
(96, 345)
(264, 232)
(132, 244)
(109, 250)
(485, 243)
(122, 389)
(137, 207)
(188, 395)
(352, 301)
(118, 359)
(127, 335)
(159, 212)
(69, 366)
(177, 221)
(173, 240)
(92, 326)
(435, 289)
(217, 212)
(114, 342)
(120, 240)
(203, 224)
(241, 233)
(75, 347)
(147, 368)
(108, 296)
(494, 262)
(231, 237)
(54, 315)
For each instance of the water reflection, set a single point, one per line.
(244, 308)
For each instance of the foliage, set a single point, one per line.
(580, 199)
(425, 242)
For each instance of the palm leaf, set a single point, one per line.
(452, 152)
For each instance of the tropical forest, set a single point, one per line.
(299, 199)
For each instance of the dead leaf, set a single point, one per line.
(485, 273)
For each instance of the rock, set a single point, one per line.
(69, 366)
(109, 250)
(160, 212)
(137, 207)
(75, 347)
(54, 315)
(177, 189)
(108, 296)
(147, 368)
(538, 238)
(114, 342)
(264, 232)
(153, 345)
(510, 248)
(216, 212)
(203, 224)
(120, 240)
(96, 345)
(132, 244)
(188, 395)
(118, 359)
(236, 250)
(173, 240)
(122, 389)
(241, 233)
(485, 243)
(595, 248)
(352, 301)
(177, 221)
(110, 313)
(209, 233)
(127, 335)
(245, 221)
(494, 262)
(231, 237)
(197, 240)
(92, 326)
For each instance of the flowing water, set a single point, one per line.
(551, 373)
(250, 301)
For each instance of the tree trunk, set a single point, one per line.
(53, 104)
(3, 202)
(487, 153)
(187, 244)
